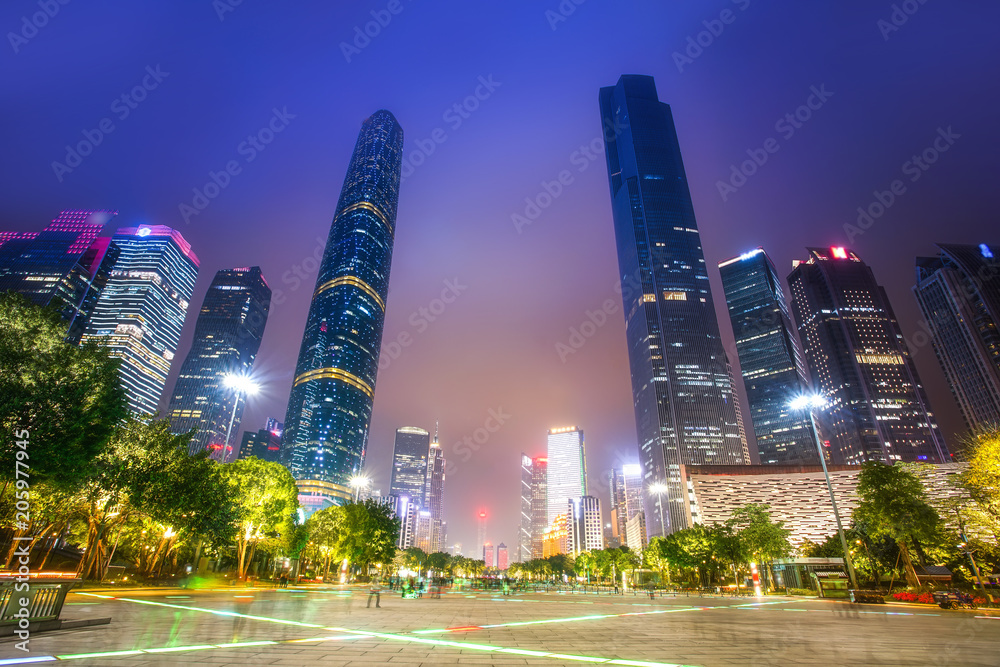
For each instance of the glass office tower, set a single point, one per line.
(409, 464)
(330, 405)
(876, 408)
(959, 295)
(141, 310)
(684, 403)
(771, 360)
(534, 473)
(226, 340)
(566, 470)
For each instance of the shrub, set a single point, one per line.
(801, 591)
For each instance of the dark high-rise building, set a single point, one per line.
(876, 408)
(264, 444)
(626, 502)
(534, 507)
(226, 340)
(140, 312)
(330, 406)
(409, 464)
(959, 294)
(65, 265)
(771, 359)
(685, 408)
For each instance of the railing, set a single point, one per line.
(45, 600)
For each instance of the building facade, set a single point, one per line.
(959, 296)
(264, 444)
(329, 408)
(502, 557)
(409, 463)
(141, 310)
(566, 471)
(876, 408)
(626, 502)
(534, 508)
(227, 337)
(434, 493)
(584, 524)
(685, 407)
(795, 494)
(773, 368)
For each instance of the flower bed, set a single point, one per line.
(922, 598)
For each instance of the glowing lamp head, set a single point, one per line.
(807, 401)
(657, 488)
(241, 384)
(143, 231)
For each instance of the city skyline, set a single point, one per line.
(478, 305)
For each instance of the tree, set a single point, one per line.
(266, 497)
(655, 556)
(982, 480)
(763, 539)
(370, 532)
(324, 528)
(892, 502)
(64, 401)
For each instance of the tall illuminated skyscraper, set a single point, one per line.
(627, 501)
(409, 464)
(330, 405)
(771, 358)
(876, 408)
(141, 310)
(685, 407)
(566, 472)
(533, 507)
(65, 265)
(959, 294)
(227, 337)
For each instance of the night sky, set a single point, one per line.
(217, 73)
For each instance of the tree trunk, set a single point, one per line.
(911, 574)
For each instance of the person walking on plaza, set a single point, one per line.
(375, 588)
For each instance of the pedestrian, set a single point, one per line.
(375, 588)
(283, 582)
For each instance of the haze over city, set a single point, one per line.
(505, 242)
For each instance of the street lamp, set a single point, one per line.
(658, 489)
(240, 384)
(358, 482)
(812, 402)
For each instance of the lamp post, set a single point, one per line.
(658, 489)
(814, 402)
(240, 384)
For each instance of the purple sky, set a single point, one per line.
(520, 292)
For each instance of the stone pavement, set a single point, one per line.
(332, 626)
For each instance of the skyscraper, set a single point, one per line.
(409, 464)
(534, 510)
(626, 501)
(876, 408)
(684, 402)
(502, 557)
(141, 310)
(264, 444)
(488, 554)
(434, 494)
(330, 405)
(771, 359)
(481, 531)
(64, 265)
(584, 521)
(959, 295)
(227, 337)
(566, 470)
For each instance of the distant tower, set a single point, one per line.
(330, 405)
(409, 464)
(434, 495)
(876, 407)
(502, 558)
(488, 554)
(685, 406)
(584, 522)
(227, 337)
(481, 536)
(771, 358)
(567, 469)
(141, 310)
(959, 295)
(626, 501)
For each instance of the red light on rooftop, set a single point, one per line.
(838, 252)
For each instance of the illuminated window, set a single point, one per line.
(675, 296)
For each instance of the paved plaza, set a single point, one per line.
(332, 626)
